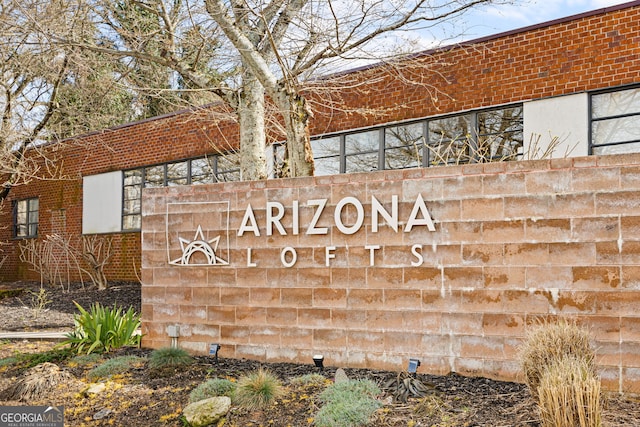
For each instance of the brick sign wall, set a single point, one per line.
(448, 265)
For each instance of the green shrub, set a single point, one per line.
(258, 389)
(23, 361)
(103, 329)
(117, 365)
(212, 388)
(87, 359)
(169, 357)
(348, 404)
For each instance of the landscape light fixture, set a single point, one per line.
(213, 351)
(174, 332)
(317, 360)
(413, 366)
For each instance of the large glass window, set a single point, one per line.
(450, 140)
(615, 122)
(227, 167)
(482, 136)
(25, 218)
(131, 199)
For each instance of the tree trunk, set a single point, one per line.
(296, 115)
(251, 117)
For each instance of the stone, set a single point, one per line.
(94, 389)
(206, 412)
(341, 376)
(102, 413)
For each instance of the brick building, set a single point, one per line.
(553, 79)
(515, 240)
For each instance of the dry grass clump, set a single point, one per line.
(37, 382)
(548, 343)
(569, 395)
(559, 368)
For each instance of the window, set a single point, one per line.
(500, 134)
(615, 122)
(326, 154)
(201, 170)
(404, 146)
(450, 140)
(361, 151)
(131, 199)
(482, 136)
(25, 218)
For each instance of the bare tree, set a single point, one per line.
(49, 91)
(282, 43)
(241, 49)
(31, 72)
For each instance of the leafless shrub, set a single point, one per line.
(96, 252)
(56, 257)
(569, 394)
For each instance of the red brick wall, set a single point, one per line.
(592, 52)
(513, 243)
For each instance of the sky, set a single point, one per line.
(496, 19)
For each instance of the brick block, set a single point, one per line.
(605, 277)
(283, 316)
(485, 209)
(503, 277)
(328, 297)
(385, 320)
(330, 339)
(297, 297)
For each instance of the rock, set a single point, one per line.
(102, 413)
(206, 412)
(341, 376)
(94, 389)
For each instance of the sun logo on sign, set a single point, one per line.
(200, 248)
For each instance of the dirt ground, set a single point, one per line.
(144, 397)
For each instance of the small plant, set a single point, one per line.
(258, 389)
(348, 404)
(309, 379)
(212, 388)
(169, 357)
(103, 329)
(569, 395)
(117, 365)
(39, 301)
(86, 359)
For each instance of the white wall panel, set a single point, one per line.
(102, 203)
(564, 117)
